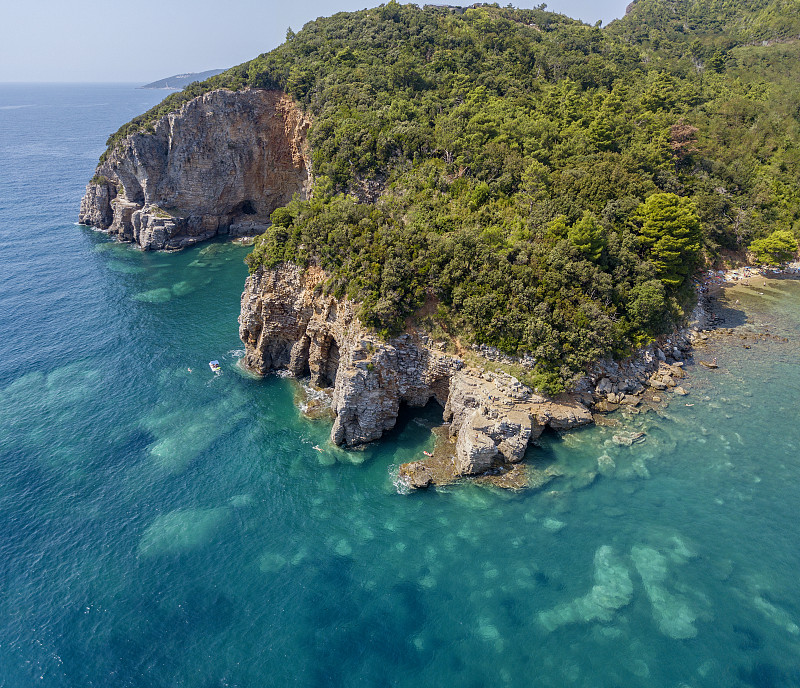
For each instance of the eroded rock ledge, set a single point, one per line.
(287, 324)
(219, 165)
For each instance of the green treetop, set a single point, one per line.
(669, 230)
(519, 169)
(777, 248)
(588, 236)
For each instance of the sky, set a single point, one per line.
(91, 41)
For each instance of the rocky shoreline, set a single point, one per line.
(220, 165)
(490, 418)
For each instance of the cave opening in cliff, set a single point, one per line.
(327, 373)
(131, 188)
(245, 208)
(428, 416)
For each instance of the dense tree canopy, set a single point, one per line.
(775, 249)
(669, 229)
(547, 185)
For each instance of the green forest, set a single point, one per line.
(540, 185)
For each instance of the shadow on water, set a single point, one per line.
(749, 639)
(766, 675)
(726, 314)
(343, 614)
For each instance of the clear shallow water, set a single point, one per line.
(168, 528)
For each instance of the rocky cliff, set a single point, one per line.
(221, 164)
(287, 324)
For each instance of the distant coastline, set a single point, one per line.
(179, 81)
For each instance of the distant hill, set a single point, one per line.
(183, 80)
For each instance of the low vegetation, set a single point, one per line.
(157, 211)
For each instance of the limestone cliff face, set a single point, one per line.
(221, 164)
(287, 324)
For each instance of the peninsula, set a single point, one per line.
(476, 206)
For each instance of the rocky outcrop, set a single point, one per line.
(494, 417)
(221, 164)
(286, 323)
(625, 382)
(96, 209)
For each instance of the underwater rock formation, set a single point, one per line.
(611, 591)
(182, 530)
(670, 611)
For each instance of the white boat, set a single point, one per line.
(215, 366)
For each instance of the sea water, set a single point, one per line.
(164, 526)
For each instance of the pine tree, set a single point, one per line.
(587, 236)
(669, 230)
(777, 248)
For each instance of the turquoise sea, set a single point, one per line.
(161, 527)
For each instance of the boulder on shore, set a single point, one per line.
(415, 474)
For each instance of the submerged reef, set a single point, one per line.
(611, 591)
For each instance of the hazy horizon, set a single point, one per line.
(67, 43)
